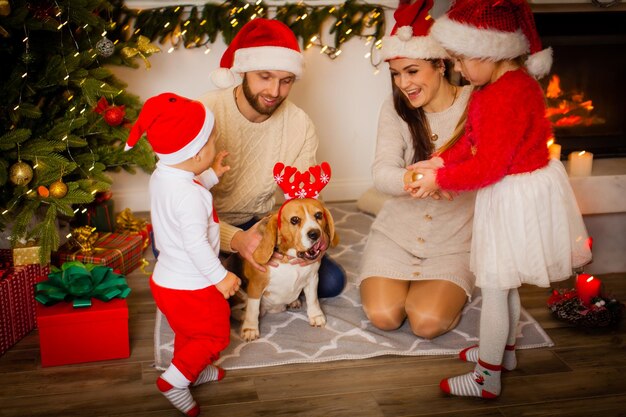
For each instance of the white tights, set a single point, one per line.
(498, 323)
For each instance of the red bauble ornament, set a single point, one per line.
(114, 115)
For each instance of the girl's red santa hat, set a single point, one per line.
(494, 30)
(176, 127)
(409, 37)
(260, 45)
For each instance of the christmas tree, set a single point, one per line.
(64, 117)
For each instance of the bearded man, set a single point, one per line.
(259, 126)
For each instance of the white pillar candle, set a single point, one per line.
(555, 151)
(580, 164)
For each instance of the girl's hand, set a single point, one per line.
(425, 184)
(433, 163)
(218, 166)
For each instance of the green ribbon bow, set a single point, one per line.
(80, 283)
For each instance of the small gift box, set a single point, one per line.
(75, 335)
(27, 253)
(17, 299)
(120, 251)
(82, 315)
(99, 214)
(127, 223)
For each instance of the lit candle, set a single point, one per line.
(580, 164)
(587, 287)
(555, 151)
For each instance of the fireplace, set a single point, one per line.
(586, 88)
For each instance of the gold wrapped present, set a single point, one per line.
(27, 254)
(128, 223)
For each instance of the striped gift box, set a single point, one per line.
(120, 251)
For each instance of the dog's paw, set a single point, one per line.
(317, 321)
(295, 304)
(249, 334)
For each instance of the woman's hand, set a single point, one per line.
(218, 166)
(245, 243)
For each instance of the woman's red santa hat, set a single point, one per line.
(176, 127)
(494, 30)
(409, 37)
(260, 45)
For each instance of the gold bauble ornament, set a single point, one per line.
(5, 8)
(20, 173)
(58, 189)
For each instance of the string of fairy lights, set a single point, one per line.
(195, 26)
(23, 168)
(198, 27)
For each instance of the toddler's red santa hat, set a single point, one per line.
(261, 44)
(409, 37)
(495, 30)
(176, 127)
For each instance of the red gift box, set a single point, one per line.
(120, 251)
(17, 299)
(75, 335)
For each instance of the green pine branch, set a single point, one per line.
(53, 77)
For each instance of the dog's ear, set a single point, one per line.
(330, 228)
(268, 229)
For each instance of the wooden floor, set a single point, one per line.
(584, 374)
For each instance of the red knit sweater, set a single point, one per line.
(505, 133)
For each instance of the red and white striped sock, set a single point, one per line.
(209, 374)
(509, 359)
(179, 397)
(483, 382)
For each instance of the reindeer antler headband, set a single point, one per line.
(296, 184)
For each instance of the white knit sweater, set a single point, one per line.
(247, 190)
(423, 227)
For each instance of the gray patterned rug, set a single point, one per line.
(287, 337)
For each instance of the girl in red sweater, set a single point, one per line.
(527, 225)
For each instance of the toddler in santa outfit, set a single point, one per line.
(527, 225)
(189, 284)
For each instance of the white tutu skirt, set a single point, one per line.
(528, 230)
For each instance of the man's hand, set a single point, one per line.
(245, 243)
(229, 285)
(218, 166)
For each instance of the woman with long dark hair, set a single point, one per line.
(416, 262)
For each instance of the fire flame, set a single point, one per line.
(568, 109)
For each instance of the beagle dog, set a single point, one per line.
(302, 228)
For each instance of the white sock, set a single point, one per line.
(483, 382)
(209, 374)
(509, 359)
(179, 397)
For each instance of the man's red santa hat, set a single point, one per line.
(409, 37)
(261, 44)
(176, 127)
(494, 30)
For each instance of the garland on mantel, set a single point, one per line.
(194, 26)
